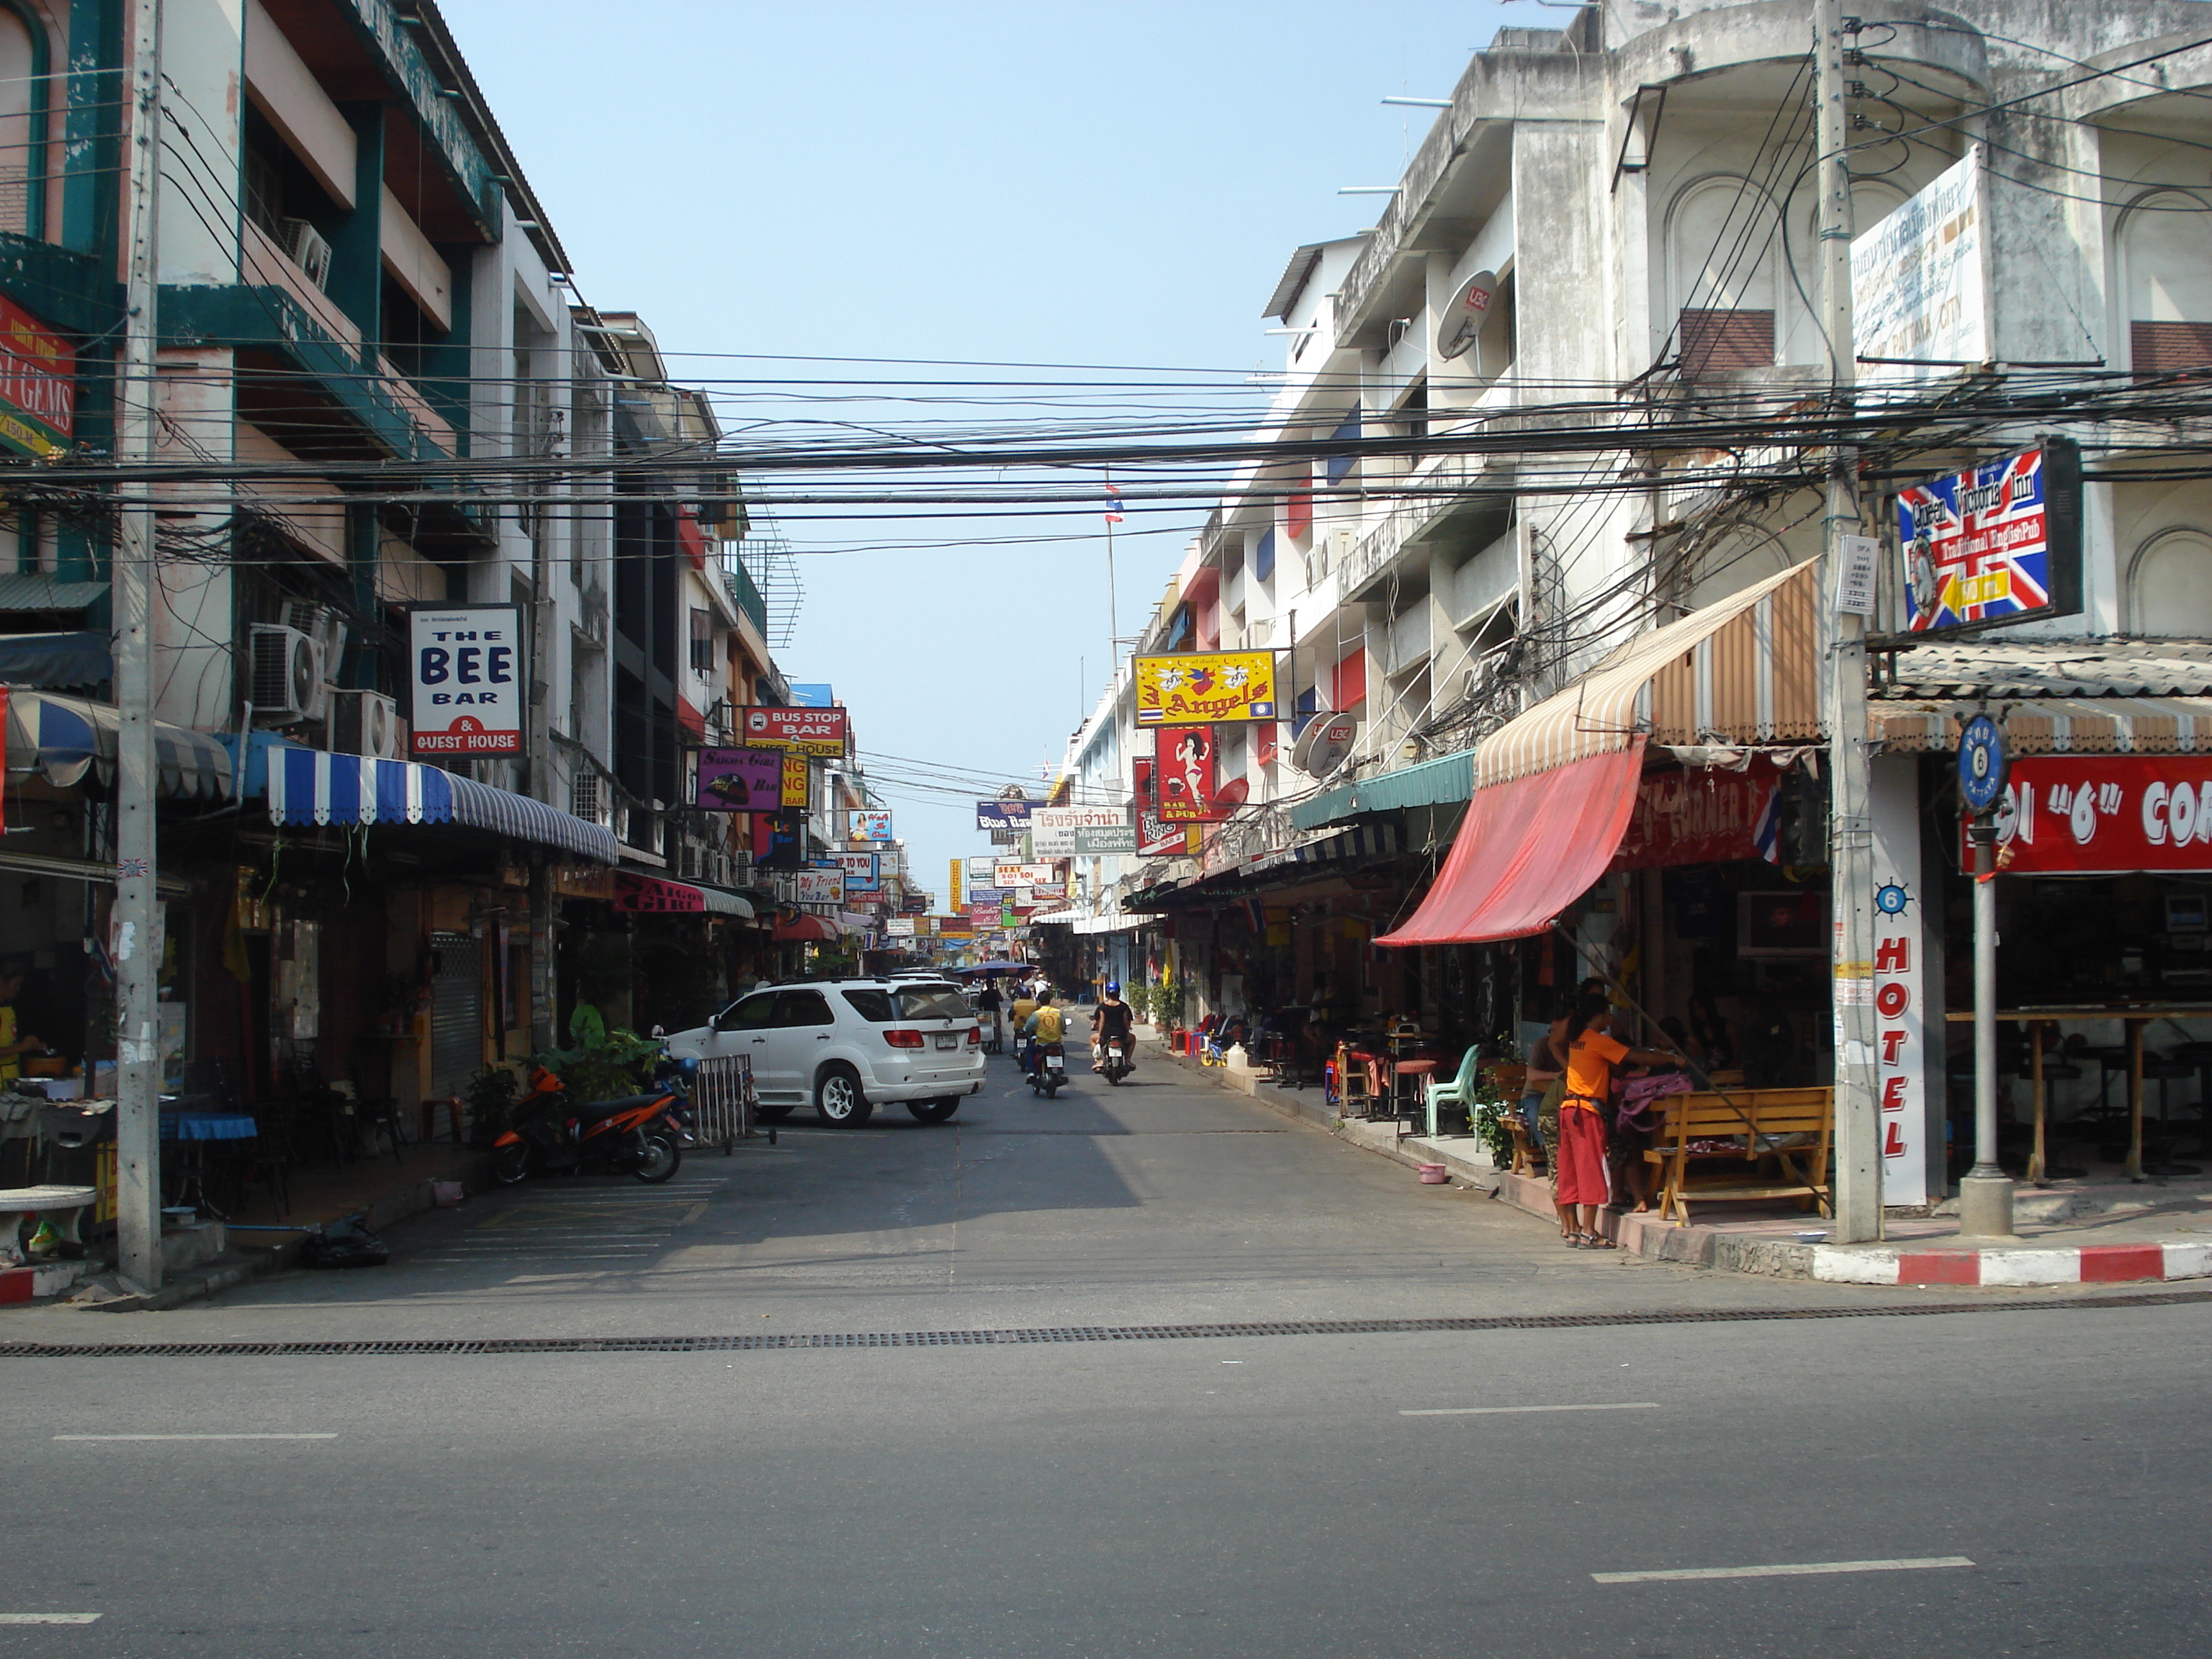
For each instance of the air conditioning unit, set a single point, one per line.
(308, 251)
(288, 675)
(320, 623)
(365, 723)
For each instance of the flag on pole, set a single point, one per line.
(1766, 834)
(1113, 505)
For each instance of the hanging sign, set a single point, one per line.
(2088, 813)
(38, 383)
(1156, 838)
(1067, 831)
(817, 887)
(778, 839)
(2001, 543)
(863, 872)
(798, 781)
(805, 730)
(466, 678)
(872, 826)
(1183, 772)
(1700, 817)
(740, 781)
(1002, 814)
(1033, 874)
(1209, 686)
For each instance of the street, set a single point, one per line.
(1405, 1491)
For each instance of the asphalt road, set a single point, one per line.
(1405, 1492)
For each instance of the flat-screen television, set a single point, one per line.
(1790, 923)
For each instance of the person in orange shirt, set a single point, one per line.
(1592, 1052)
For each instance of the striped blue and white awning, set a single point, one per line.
(63, 738)
(1369, 841)
(306, 785)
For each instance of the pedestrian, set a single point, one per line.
(988, 1001)
(1591, 1051)
(14, 1041)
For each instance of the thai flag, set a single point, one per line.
(1113, 505)
(1766, 834)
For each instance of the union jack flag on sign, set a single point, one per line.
(1978, 547)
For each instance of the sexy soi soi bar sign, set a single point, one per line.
(2103, 813)
(2001, 543)
(1200, 688)
(466, 678)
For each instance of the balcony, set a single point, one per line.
(745, 596)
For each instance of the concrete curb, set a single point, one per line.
(2014, 1264)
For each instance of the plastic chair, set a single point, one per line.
(1460, 1091)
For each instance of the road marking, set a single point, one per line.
(196, 1437)
(1787, 1570)
(47, 1617)
(1515, 1411)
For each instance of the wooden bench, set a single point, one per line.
(1741, 1128)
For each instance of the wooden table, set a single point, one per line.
(2134, 1017)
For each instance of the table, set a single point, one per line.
(195, 1129)
(2134, 1017)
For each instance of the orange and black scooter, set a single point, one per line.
(553, 1134)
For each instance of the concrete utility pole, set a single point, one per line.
(136, 931)
(1858, 1129)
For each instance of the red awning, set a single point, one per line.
(806, 930)
(1527, 849)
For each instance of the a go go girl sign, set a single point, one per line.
(2087, 813)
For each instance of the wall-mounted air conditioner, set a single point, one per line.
(365, 723)
(288, 675)
(309, 251)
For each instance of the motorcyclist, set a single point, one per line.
(1044, 1028)
(1024, 1005)
(988, 1001)
(1111, 1018)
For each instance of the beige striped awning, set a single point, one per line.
(1744, 670)
(2055, 726)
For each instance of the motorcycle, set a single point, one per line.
(1050, 1070)
(1114, 1061)
(639, 1135)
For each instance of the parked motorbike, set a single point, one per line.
(1114, 1061)
(1049, 1070)
(639, 1135)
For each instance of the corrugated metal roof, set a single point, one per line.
(1430, 783)
(2053, 668)
(36, 590)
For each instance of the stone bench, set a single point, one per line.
(65, 1205)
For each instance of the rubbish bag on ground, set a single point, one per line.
(344, 1243)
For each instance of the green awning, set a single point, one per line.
(1430, 783)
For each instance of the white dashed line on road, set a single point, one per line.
(1787, 1570)
(47, 1617)
(196, 1437)
(1517, 1411)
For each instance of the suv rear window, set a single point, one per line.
(909, 1002)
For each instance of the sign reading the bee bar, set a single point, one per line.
(467, 678)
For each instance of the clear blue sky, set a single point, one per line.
(1107, 184)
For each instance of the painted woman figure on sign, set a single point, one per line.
(1191, 751)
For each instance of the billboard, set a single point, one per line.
(741, 780)
(862, 874)
(1063, 831)
(805, 730)
(1002, 815)
(38, 385)
(1920, 283)
(1999, 544)
(465, 675)
(1207, 686)
(1040, 874)
(818, 887)
(1183, 772)
(872, 826)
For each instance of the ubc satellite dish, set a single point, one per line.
(1323, 744)
(1464, 316)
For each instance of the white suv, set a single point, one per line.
(848, 1045)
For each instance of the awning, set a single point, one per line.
(32, 590)
(1527, 849)
(654, 896)
(1055, 918)
(1367, 842)
(1430, 783)
(62, 738)
(306, 785)
(1112, 924)
(804, 929)
(64, 660)
(1744, 669)
(2054, 726)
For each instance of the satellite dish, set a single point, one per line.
(1464, 316)
(1323, 744)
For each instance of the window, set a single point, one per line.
(2169, 587)
(23, 69)
(2166, 254)
(1263, 556)
(754, 1013)
(802, 1008)
(874, 1006)
(702, 643)
(1722, 251)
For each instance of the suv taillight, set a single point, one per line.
(974, 1036)
(903, 1039)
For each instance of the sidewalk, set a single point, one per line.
(2072, 1232)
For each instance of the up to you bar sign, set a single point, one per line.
(466, 678)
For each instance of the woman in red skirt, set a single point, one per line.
(1592, 1052)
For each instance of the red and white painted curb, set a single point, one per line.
(39, 1279)
(2087, 1264)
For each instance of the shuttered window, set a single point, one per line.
(456, 1013)
(2170, 348)
(1716, 341)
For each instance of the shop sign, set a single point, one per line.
(900, 927)
(818, 887)
(1070, 831)
(778, 840)
(1195, 687)
(983, 916)
(38, 383)
(741, 780)
(2088, 813)
(1700, 817)
(1156, 838)
(872, 826)
(981, 872)
(1002, 815)
(1026, 875)
(992, 896)
(797, 783)
(805, 730)
(955, 927)
(583, 881)
(466, 678)
(1898, 984)
(1998, 544)
(1920, 281)
(863, 873)
(647, 896)
(1047, 891)
(1183, 772)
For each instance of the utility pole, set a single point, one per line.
(1858, 1129)
(136, 931)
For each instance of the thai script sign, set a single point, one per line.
(1205, 686)
(1063, 831)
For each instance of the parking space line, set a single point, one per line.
(1786, 1570)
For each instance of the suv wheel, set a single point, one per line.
(838, 1101)
(935, 1111)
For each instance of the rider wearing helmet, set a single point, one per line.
(1112, 1018)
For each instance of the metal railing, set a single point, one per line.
(724, 1103)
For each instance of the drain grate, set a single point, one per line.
(1055, 1334)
